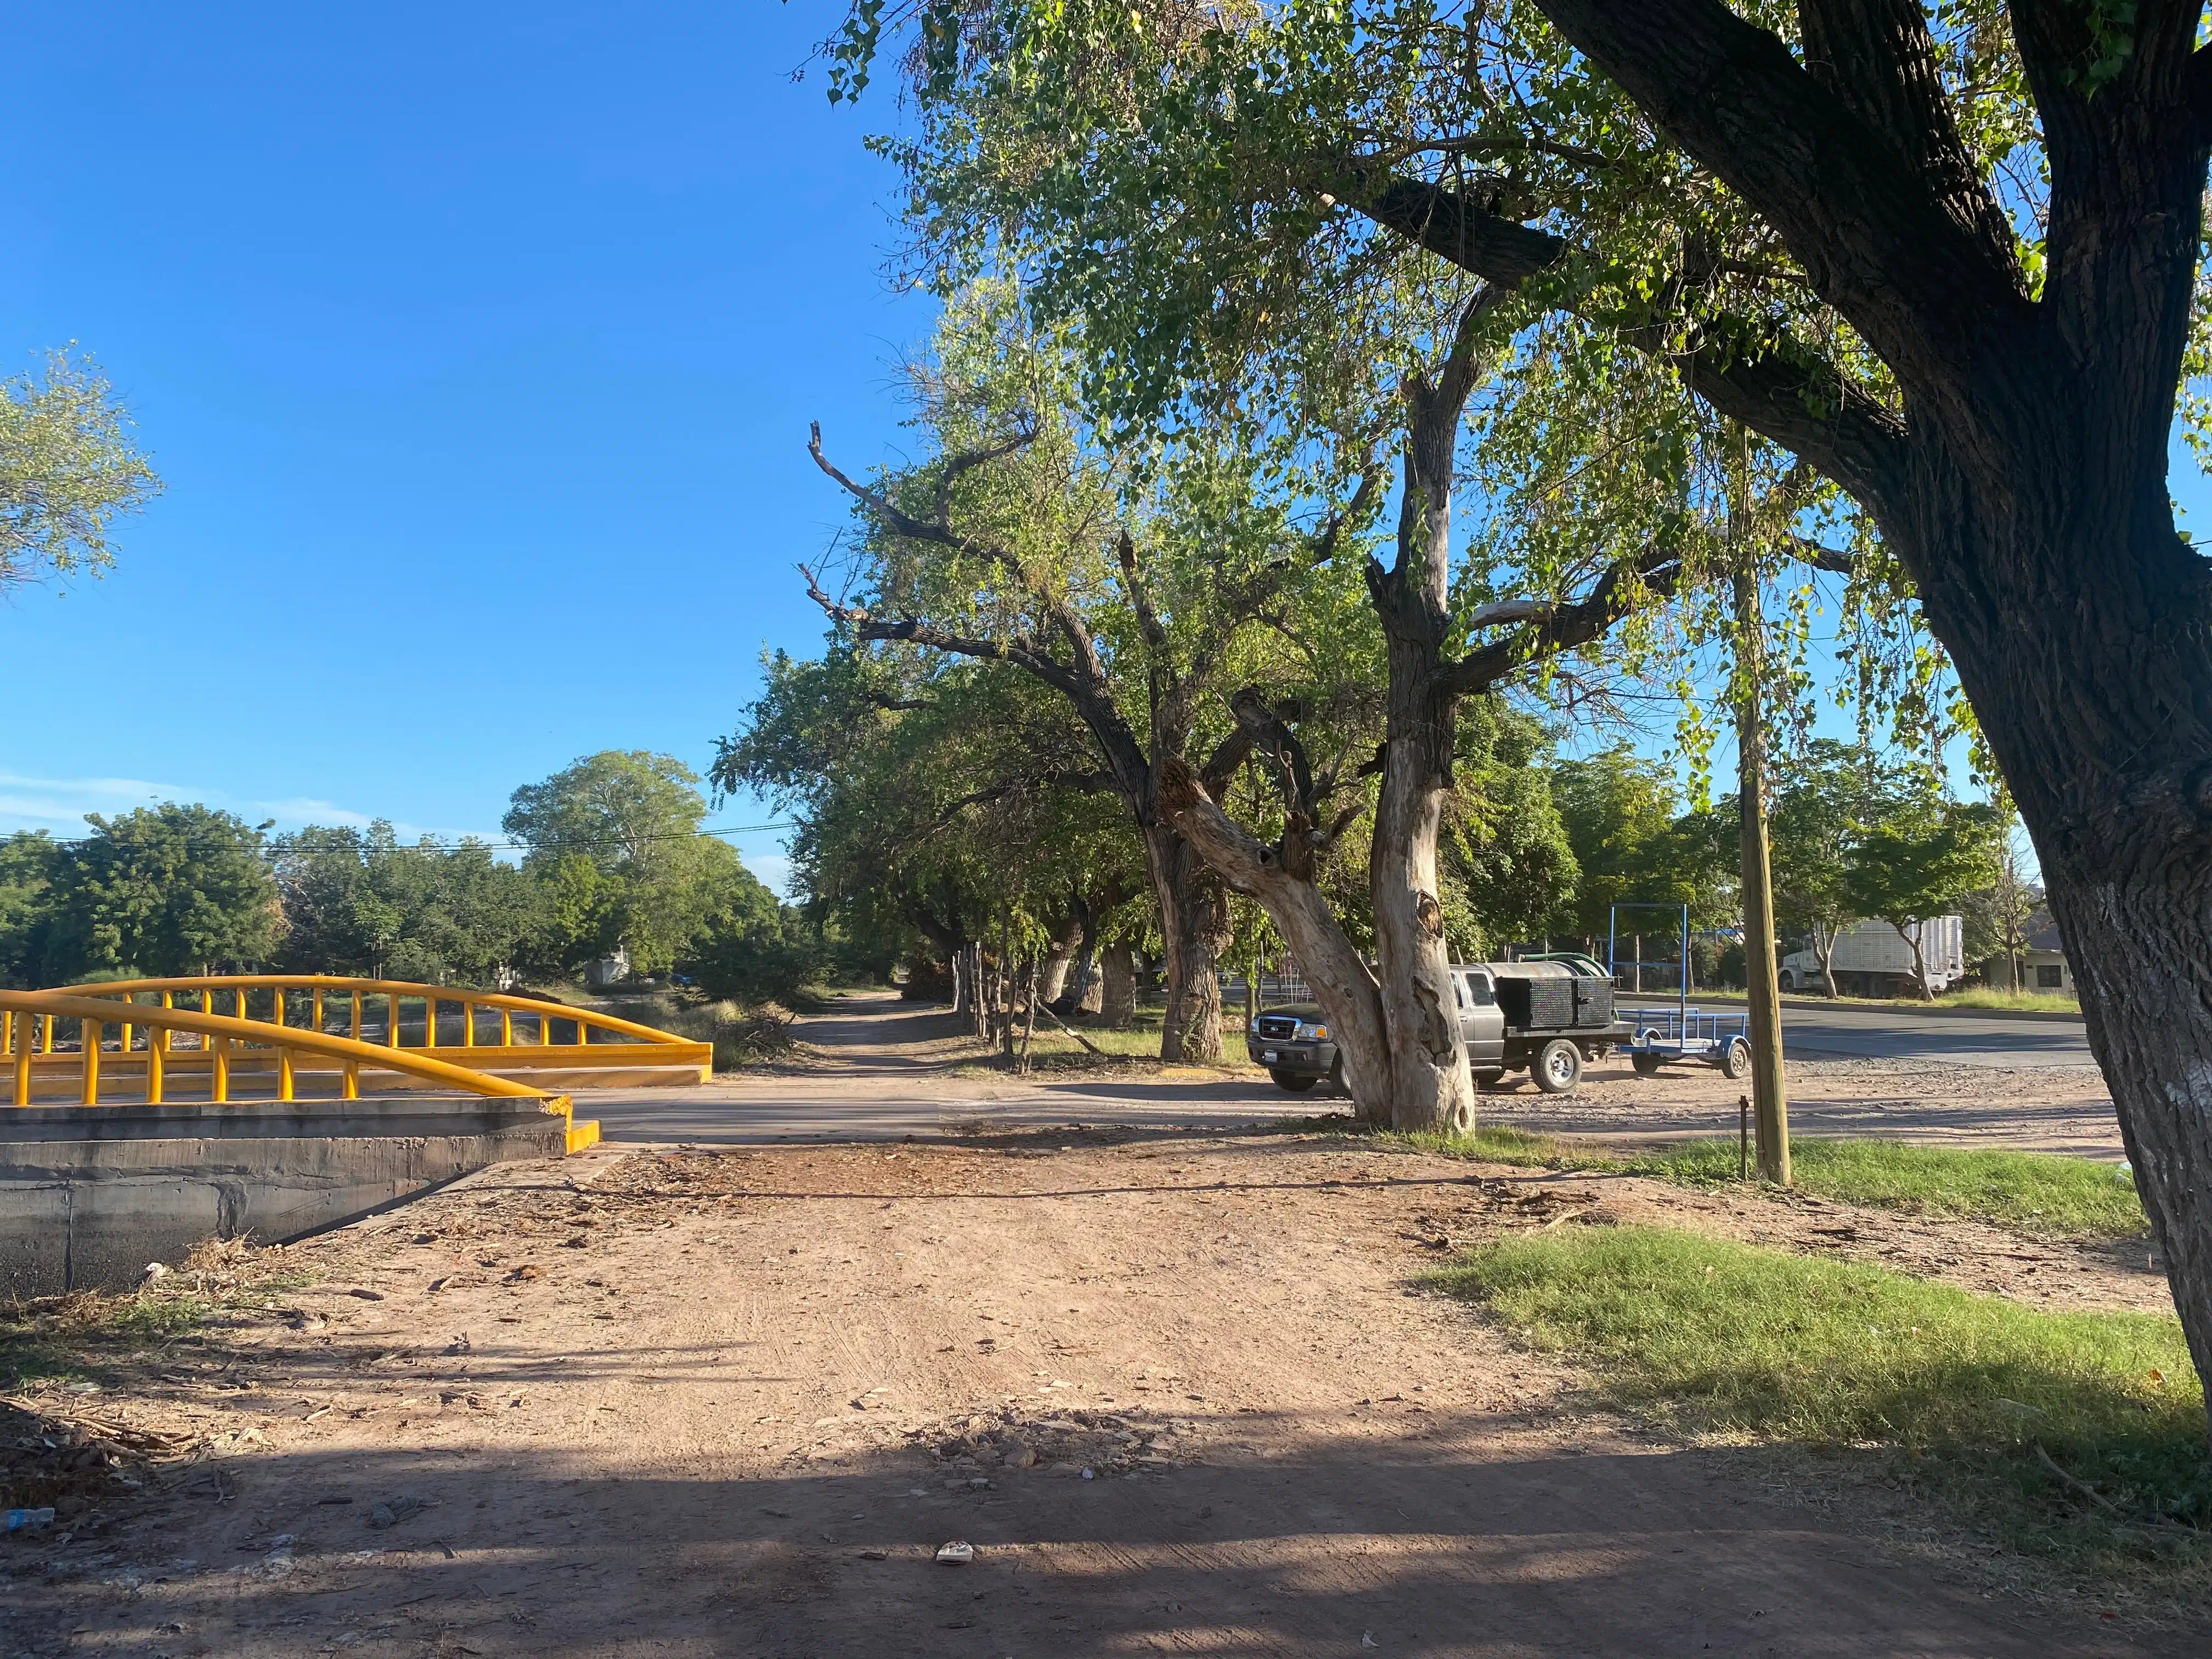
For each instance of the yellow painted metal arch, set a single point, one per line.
(408, 988)
(28, 1016)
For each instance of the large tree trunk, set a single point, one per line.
(2102, 724)
(1341, 983)
(1427, 1082)
(2025, 487)
(1060, 955)
(1117, 992)
(1194, 931)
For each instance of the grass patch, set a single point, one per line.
(1717, 1338)
(1500, 1143)
(49, 1338)
(2034, 1192)
(2019, 1002)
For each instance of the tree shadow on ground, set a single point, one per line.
(1421, 1538)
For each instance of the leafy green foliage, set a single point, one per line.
(1633, 844)
(358, 901)
(166, 890)
(1823, 796)
(29, 861)
(68, 470)
(748, 946)
(1506, 860)
(1923, 854)
(636, 818)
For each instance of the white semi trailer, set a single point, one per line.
(1874, 959)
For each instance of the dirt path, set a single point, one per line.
(730, 1402)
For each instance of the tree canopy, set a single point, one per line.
(69, 469)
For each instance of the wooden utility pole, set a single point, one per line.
(1763, 999)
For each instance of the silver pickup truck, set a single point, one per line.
(1544, 1018)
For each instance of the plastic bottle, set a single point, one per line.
(24, 1519)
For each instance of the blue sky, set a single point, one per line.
(477, 347)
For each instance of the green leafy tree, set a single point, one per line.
(1824, 796)
(1919, 859)
(29, 861)
(935, 793)
(1509, 863)
(68, 470)
(362, 902)
(748, 946)
(1633, 844)
(636, 817)
(1138, 583)
(166, 889)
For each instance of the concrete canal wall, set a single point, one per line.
(89, 1195)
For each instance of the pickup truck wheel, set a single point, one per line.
(1292, 1083)
(1736, 1060)
(1559, 1066)
(1646, 1065)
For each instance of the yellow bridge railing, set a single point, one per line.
(490, 1030)
(225, 1056)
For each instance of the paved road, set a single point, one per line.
(1902, 1034)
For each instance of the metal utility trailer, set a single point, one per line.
(1721, 1040)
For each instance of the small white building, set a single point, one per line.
(2043, 968)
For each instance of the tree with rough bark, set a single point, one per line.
(1132, 581)
(1397, 1021)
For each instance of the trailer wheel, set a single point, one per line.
(1292, 1082)
(1559, 1066)
(1646, 1065)
(1735, 1059)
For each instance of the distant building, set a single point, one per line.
(2043, 968)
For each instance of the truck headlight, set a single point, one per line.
(1253, 1025)
(1313, 1033)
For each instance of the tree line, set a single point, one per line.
(613, 863)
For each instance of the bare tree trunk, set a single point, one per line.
(1195, 929)
(1429, 1086)
(1117, 996)
(1008, 982)
(1762, 999)
(1059, 957)
(1029, 1025)
(1339, 980)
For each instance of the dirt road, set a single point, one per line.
(1182, 1391)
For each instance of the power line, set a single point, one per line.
(472, 844)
